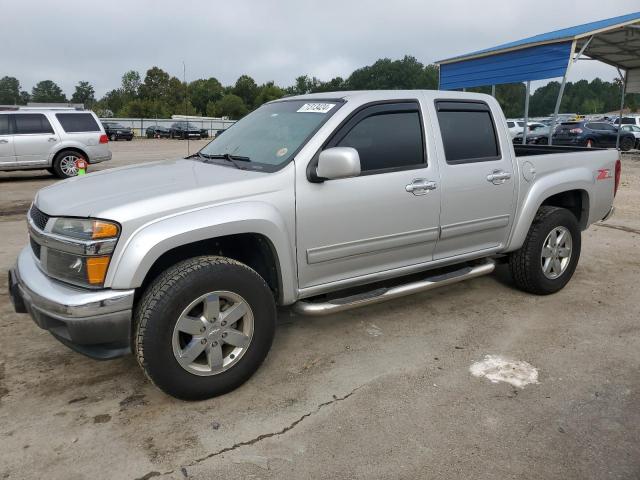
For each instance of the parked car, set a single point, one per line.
(633, 120)
(220, 132)
(51, 139)
(592, 134)
(515, 127)
(184, 130)
(117, 131)
(302, 200)
(635, 130)
(204, 133)
(156, 131)
(537, 135)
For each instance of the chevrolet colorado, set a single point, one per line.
(321, 202)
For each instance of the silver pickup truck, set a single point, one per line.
(320, 202)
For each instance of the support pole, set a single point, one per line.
(493, 91)
(623, 87)
(557, 109)
(526, 114)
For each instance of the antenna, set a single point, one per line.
(186, 91)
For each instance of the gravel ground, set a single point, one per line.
(379, 392)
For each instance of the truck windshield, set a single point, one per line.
(273, 133)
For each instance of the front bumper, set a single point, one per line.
(95, 323)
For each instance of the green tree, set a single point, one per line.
(156, 85)
(407, 73)
(47, 91)
(84, 93)
(247, 89)
(268, 92)
(202, 92)
(131, 84)
(9, 91)
(25, 97)
(231, 106)
(113, 100)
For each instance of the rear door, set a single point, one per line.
(7, 154)
(34, 138)
(477, 178)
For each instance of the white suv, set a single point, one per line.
(52, 139)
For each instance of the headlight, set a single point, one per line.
(79, 250)
(85, 229)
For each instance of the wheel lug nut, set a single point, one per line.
(215, 344)
(202, 330)
(203, 341)
(224, 335)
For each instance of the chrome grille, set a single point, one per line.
(39, 218)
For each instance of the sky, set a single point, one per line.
(72, 40)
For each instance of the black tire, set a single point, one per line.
(52, 171)
(525, 264)
(627, 143)
(57, 163)
(129, 139)
(166, 298)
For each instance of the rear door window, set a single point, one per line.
(468, 132)
(77, 122)
(30, 123)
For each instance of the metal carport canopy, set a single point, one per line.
(615, 41)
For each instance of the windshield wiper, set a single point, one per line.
(233, 159)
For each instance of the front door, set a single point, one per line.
(385, 218)
(477, 178)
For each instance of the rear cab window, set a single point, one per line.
(468, 131)
(31, 123)
(78, 122)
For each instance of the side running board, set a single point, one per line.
(383, 294)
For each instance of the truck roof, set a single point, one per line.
(374, 95)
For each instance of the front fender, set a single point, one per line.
(579, 178)
(133, 258)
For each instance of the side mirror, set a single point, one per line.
(338, 162)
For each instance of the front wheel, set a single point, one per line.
(204, 326)
(546, 261)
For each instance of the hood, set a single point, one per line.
(148, 189)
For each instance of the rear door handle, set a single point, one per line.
(420, 186)
(498, 177)
(2, 140)
(51, 139)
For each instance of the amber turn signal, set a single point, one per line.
(104, 230)
(97, 269)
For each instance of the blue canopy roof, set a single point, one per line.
(544, 56)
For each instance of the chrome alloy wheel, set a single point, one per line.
(68, 165)
(556, 252)
(213, 333)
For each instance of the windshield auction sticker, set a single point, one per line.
(316, 107)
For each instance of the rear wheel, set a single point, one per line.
(204, 327)
(64, 165)
(627, 144)
(546, 261)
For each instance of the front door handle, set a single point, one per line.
(51, 139)
(2, 140)
(420, 186)
(498, 177)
